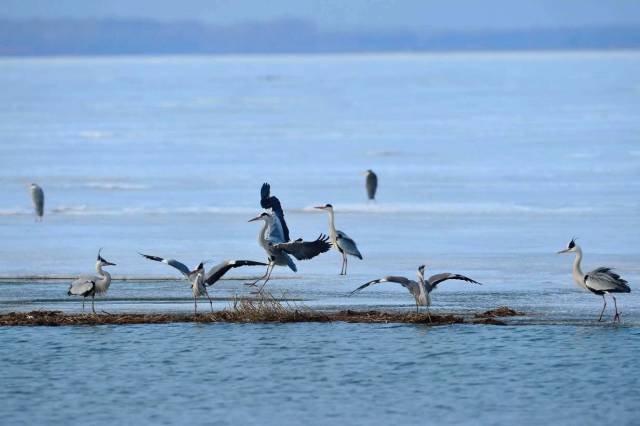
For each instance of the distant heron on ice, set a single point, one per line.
(198, 279)
(422, 288)
(279, 251)
(340, 240)
(91, 285)
(600, 281)
(371, 184)
(37, 196)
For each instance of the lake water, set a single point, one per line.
(488, 164)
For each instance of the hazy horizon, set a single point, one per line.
(356, 15)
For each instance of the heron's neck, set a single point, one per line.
(262, 236)
(578, 276)
(103, 285)
(101, 271)
(332, 225)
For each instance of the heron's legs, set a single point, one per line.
(603, 308)
(83, 303)
(417, 310)
(343, 269)
(93, 307)
(195, 305)
(253, 284)
(268, 277)
(346, 263)
(617, 315)
(428, 313)
(209, 297)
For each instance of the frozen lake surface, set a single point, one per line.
(488, 164)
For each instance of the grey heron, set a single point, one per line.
(200, 280)
(422, 288)
(372, 184)
(600, 281)
(340, 240)
(279, 251)
(91, 285)
(37, 197)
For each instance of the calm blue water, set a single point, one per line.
(488, 164)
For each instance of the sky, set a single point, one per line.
(349, 14)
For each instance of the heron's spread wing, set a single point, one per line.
(81, 287)
(604, 279)
(347, 245)
(171, 262)
(303, 250)
(434, 280)
(404, 282)
(271, 202)
(219, 270)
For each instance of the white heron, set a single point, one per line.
(91, 285)
(371, 183)
(600, 281)
(422, 288)
(340, 240)
(272, 240)
(37, 197)
(198, 279)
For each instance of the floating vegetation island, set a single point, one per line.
(251, 311)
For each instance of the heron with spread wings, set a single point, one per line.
(200, 280)
(279, 250)
(422, 288)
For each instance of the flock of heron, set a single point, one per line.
(280, 249)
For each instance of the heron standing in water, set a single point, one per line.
(37, 197)
(372, 184)
(422, 288)
(340, 240)
(600, 281)
(91, 285)
(198, 279)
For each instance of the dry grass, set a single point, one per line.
(265, 310)
(501, 311)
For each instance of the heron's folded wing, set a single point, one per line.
(269, 202)
(275, 233)
(220, 269)
(604, 279)
(171, 262)
(404, 282)
(372, 185)
(434, 280)
(303, 250)
(347, 244)
(82, 286)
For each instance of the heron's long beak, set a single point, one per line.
(109, 263)
(254, 219)
(319, 207)
(563, 251)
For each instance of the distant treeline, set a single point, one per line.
(129, 36)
